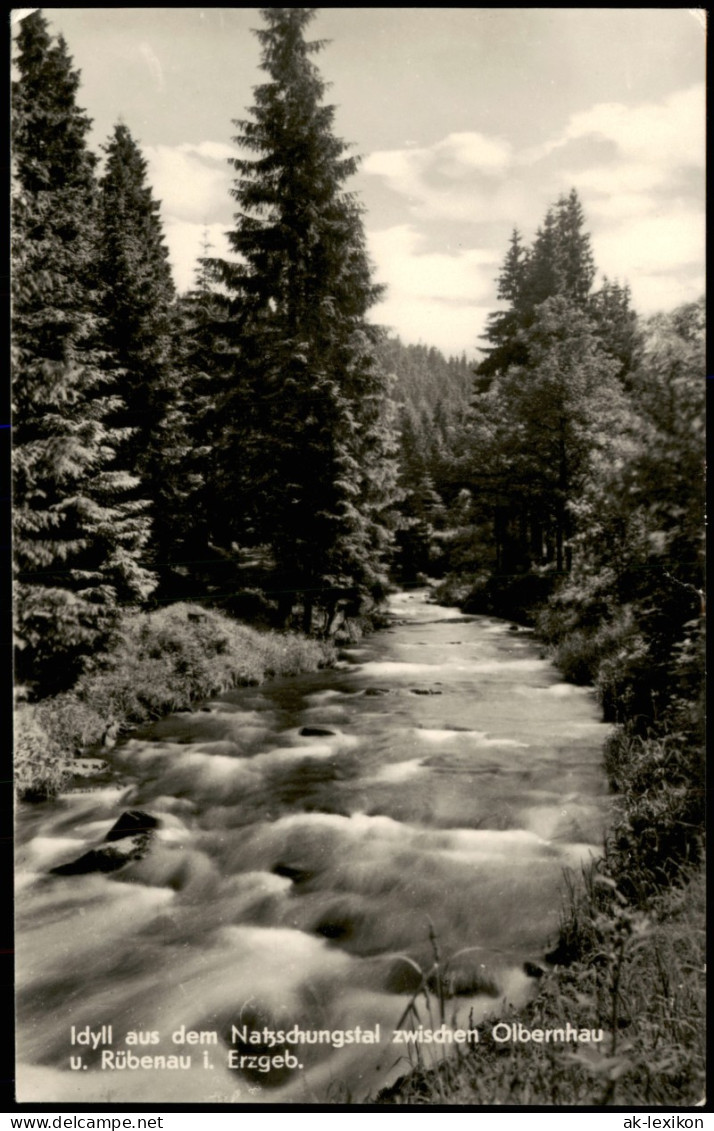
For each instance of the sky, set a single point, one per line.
(468, 122)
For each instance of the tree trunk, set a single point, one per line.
(307, 614)
(285, 608)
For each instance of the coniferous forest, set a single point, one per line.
(216, 487)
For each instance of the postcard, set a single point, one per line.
(358, 512)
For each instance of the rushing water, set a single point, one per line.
(295, 879)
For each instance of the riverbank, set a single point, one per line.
(163, 661)
(639, 978)
(310, 834)
(315, 813)
(631, 953)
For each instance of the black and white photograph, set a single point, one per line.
(358, 440)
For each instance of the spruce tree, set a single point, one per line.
(560, 262)
(307, 444)
(504, 347)
(206, 360)
(78, 532)
(547, 392)
(141, 327)
(574, 262)
(616, 326)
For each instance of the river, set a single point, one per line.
(299, 881)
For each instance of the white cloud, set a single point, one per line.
(486, 175)
(661, 135)
(442, 276)
(154, 64)
(440, 298)
(653, 292)
(652, 145)
(214, 150)
(192, 181)
(448, 179)
(461, 151)
(626, 177)
(639, 198)
(667, 242)
(616, 207)
(646, 224)
(453, 156)
(186, 242)
(453, 330)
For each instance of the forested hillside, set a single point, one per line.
(432, 395)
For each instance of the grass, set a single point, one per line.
(639, 977)
(163, 661)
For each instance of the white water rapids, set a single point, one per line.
(294, 879)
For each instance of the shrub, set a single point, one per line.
(659, 810)
(40, 767)
(516, 596)
(73, 724)
(456, 588)
(163, 661)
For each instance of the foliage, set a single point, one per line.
(623, 611)
(640, 977)
(140, 331)
(206, 357)
(538, 434)
(432, 394)
(560, 263)
(78, 532)
(165, 660)
(659, 814)
(175, 656)
(307, 408)
(40, 767)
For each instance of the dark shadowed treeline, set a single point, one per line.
(432, 394)
(237, 444)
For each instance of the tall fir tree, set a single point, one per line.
(309, 446)
(505, 347)
(207, 361)
(78, 533)
(560, 262)
(616, 326)
(547, 395)
(141, 327)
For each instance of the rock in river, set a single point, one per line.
(127, 840)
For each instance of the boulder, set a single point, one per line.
(296, 874)
(130, 823)
(317, 732)
(128, 839)
(533, 970)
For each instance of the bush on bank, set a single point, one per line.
(163, 661)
